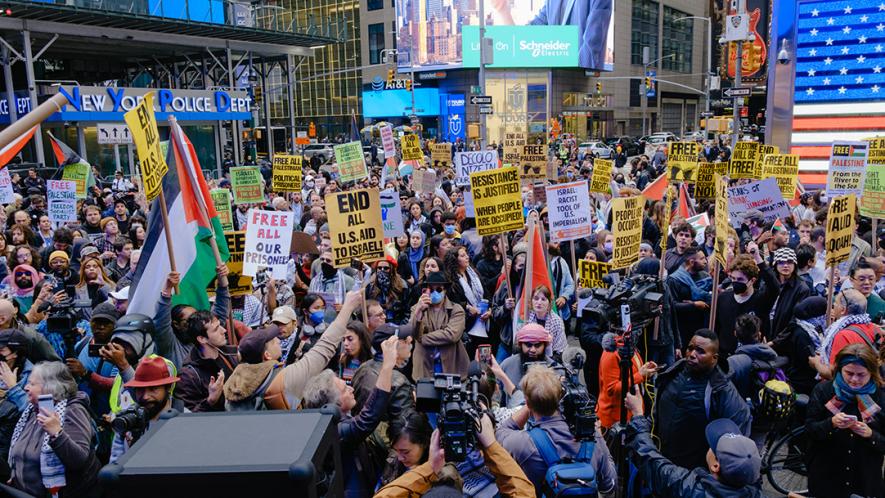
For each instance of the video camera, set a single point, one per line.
(644, 294)
(577, 406)
(458, 406)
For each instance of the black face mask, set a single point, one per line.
(382, 278)
(328, 270)
(739, 287)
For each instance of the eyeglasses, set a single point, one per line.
(384, 269)
(22, 274)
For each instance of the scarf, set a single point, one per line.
(52, 470)
(813, 327)
(846, 395)
(827, 346)
(416, 255)
(697, 288)
(472, 287)
(554, 326)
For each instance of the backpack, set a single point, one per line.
(776, 396)
(875, 344)
(574, 477)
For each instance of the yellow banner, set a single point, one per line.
(602, 175)
(840, 229)
(627, 230)
(286, 173)
(356, 226)
(762, 151)
(239, 284)
(743, 161)
(441, 154)
(720, 247)
(497, 200)
(590, 274)
(669, 195)
(705, 188)
(143, 124)
(785, 169)
(411, 145)
(533, 162)
(872, 204)
(682, 162)
(514, 139)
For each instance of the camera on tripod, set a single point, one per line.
(644, 294)
(458, 409)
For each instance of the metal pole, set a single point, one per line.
(81, 143)
(483, 138)
(32, 93)
(290, 75)
(117, 165)
(549, 109)
(10, 90)
(707, 69)
(130, 151)
(644, 92)
(234, 124)
(736, 112)
(269, 135)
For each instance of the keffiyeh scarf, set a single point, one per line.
(52, 470)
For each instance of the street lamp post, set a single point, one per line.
(707, 71)
(645, 93)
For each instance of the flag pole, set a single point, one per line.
(165, 215)
(503, 245)
(31, 119)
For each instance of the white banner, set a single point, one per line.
(268, 241)
(387, 141)
(7, 194)
(763, 195)
(391, 214)
(473, 162)
(569, 211)
(61, 200)
(848, 166)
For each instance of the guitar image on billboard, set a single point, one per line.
(755, 52)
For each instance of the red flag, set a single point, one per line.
(63, 154)
(656, 189)
(797, 196)
(537, 268)
(13, 148)
(683, 209)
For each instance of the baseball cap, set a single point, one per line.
(739, 461)
(14, 339)
(121, 295)
(252, 346)
(106, 311)
(383, 332)
(284, 315)
(89, 250)
(153, 371)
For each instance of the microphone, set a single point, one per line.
(574, 356)
(474, 372)
(609, 342)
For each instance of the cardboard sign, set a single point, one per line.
(473, 162)
(763, 195)
(872, 204)
(600, 181)
(720, 246)
(387, 141)
(268, 240)
(669, 195)
(411, 145)
(682, 162)
(221, 201)
(246, 183)
(7, 193)
(627, 230)
(497, 201)
(705, 188)
(763, 150)
(590, 274)
(351, 162)
(539, 193)
(840, 229)
(423, 180)
(848, 163)
(513, 142)
(743, 161)
(441, 154)
(569, 211)
(784, 168)
(286, 173)
(143, 125)
(356, 226)
(79, 174)
(238, 284)
(61, 201)
(533, 162)
(391, 214)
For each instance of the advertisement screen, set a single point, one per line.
(441, 34)
(394, 103)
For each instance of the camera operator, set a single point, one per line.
(509, 477)
(543, 390)
(153, 384)
(533, 342)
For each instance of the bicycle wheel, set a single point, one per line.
(785, 463)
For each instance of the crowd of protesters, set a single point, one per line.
(358, 338)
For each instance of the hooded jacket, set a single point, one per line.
(248, 382)
(193, 386)
(740, 367)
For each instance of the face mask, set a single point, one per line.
(450, 229)
(317, 317)
(436, 297)
(309, 184)
(382, 278)
(569, 174)
(739, 287)
(607, 246)
(328, 270)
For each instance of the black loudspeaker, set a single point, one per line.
(260, 453)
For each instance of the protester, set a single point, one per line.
(790, 292)
(753, 291)
(608, 406)
(851, 325)
(409, 436)
(438, 325)
(533, 343)
(259, 363)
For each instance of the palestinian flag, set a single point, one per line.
(656, 189)
(537, 273)
(13, 148)
(193, 221)
(77, 167)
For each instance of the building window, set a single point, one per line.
(374, 4)
(678, 38)
(645, 30)
(376, 42)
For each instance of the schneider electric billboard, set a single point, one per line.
(444, 34)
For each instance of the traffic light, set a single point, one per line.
(647, 82)
(5, 12)
(409, 85)
(391, 74)
(598, 87)
(256, 94)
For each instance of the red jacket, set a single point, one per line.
(608, 407)
(847, 336)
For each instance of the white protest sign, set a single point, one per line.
(387, 141)
(473, 162)
(764, 195)
(61, 200)
(7, 194)
(268, 239)
(848, 166)
(569, 211)
(391, 214)
(470, 212)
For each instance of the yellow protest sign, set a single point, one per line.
(669, 195)
(785, 169)
(411, 145)
(286, 173)
(590, 274)
(705, 188)
(514, 139)
(627, 230)
(143, 125)
(840, 229)
(682, 162)
(763, 150)
(497, 200)
(743, 161)
(239, 284)
(720, 247)
(221, 201)
(872, 204)
(441, 154)
(602, 175)
(356, 226)
(533, 162)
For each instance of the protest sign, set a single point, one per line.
(423, 180)
(513, 142)
(848, 163)
(497, 201)
(441, 154)
(743, 161)
(872, 204)
(602, 176)
(268, 240)
(569, 211)
(411, 145)
(763, 150)
(221, 201)
(840, 229)
(670, 194)
(784, 168)
(7, 193)
(238, 284)
(387, 141)
(79, 174)
(246, 183)
(682, 162)
(720, 246)
(533, 162)
(627, 230)
(286, 173)
(391, 214)
(705, 188)
(473, 162)
(763, 195)
(469, 210)
(61, 200)
(351, 162)
(539, 193)
(143, 126)
(590, 274)
(356, 226)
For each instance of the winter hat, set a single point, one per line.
(533, 332)
(810, 307)
(785, 255)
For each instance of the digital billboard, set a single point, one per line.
(443, 34)
(393, 103)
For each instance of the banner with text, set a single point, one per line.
(268, 241)
(351, 162)
(246, 183)
(473, 162)
(569, 211)
(784, 168)
(872, 204)
(387, 141)
(848, 163)
(763, 195)
(7, 193)
(391, 214)
(143, 125)
(600, 182)
(286, 173)
(239, 284)
(441, 154)
(590, 274)
(682, 162)
(221, 201)
(356, 226)
(497, 201)
(627, 230)
(411, 145)
(743, 161)
(533, 162)
(61, 200)
(720, 247)
(79, 174)
(840, 229)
